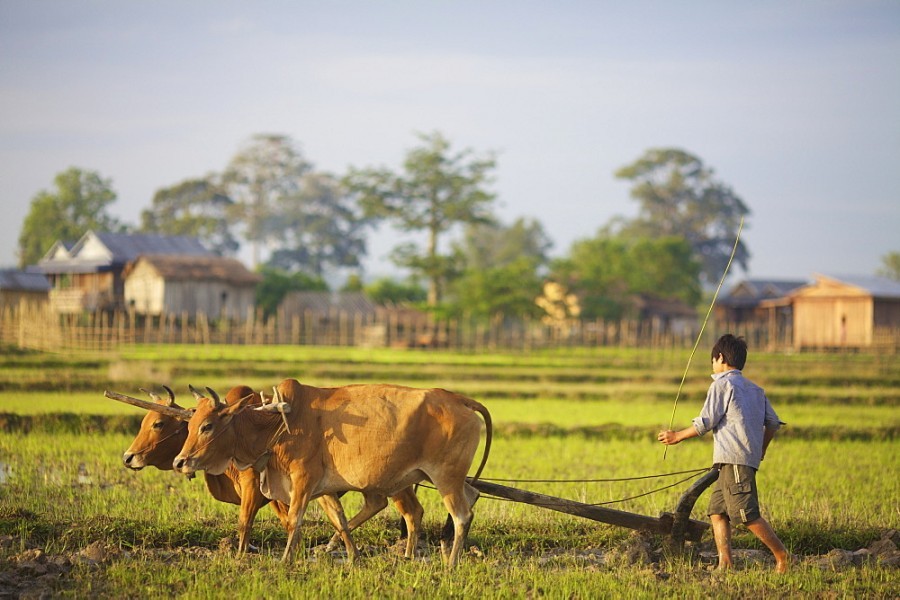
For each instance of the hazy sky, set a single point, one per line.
(794, 104)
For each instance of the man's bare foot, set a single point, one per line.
(783, 563)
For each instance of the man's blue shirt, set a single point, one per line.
(737, 412)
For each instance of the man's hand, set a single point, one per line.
(668, 437)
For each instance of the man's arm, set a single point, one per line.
(767, 437)
(670, 438)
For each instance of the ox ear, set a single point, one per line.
(231, 410)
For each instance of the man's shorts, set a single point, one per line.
(734, 494)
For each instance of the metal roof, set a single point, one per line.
(24, 281)
(122, 248)
(878, 287)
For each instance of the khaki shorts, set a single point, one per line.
(734, 494)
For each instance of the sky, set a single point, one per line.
(794, 104)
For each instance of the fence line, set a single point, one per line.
(36, 327)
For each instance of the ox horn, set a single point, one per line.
(156, 398)
(181, 414)
(212, 396)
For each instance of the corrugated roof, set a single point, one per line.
(749, 292)
(878, 287)
(199, 268)
(126, 247)
(24, 281)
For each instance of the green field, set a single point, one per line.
(75, 522)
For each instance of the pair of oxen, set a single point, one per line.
(305, 443)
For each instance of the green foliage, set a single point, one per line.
(79, 203)
(390, 291)
(608, 271)
(890, 266)
(277, 283)
(502, 272)
(437, 190)
(317, 227)
(679, 196)
(194, 207)
(267, 169)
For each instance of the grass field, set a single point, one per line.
(75, 522)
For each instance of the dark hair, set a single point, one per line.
(733, 350)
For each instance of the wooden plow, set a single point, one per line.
(677, 525)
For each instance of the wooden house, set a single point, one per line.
(837, 312)
(87, 276)
(665, 316)
(213, 286)
(741, 305)
(22, 286)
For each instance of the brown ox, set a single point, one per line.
(377, 439)
(161, 437)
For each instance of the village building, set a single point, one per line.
(87, 276)
(212, 286)
(843, 312)
(741, 304)
(18, 286)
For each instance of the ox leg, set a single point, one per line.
(460, 509)
(295, 516)
(251, 501)
(410, 508)
(374, 504)
(335, 512)
(281, 510)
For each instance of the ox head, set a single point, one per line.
(162, 433)
(210, 439)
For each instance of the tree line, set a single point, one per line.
(304, 224)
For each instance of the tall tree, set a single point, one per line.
(680, 196)
(502, 269)
(195, 207)
(436, 190)
(79, 203)
(317, 226)
(607, 271)
(267, 169)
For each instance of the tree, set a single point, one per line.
(317, 226)
(502, 269)
(607, 271)
(80, 203)
(267, 169)
(890, 266)
(679, 196)
(194, 207)
(437, 190)
(390, 291)
(277, 283)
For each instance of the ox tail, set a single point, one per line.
(489, 431)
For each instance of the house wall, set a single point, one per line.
(14, 297)
(148, 293)
(144, 290)
(833, 318)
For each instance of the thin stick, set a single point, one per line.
(703, 327)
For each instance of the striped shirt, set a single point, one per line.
(737, 412)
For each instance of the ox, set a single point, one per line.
(377, 439)
(163, 433)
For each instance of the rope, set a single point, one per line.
(550, 504)
(703, 327)
(691, 471)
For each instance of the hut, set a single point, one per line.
(741, 305)
(18, 286)
(87, 275)
(844, 312)
(212, 286)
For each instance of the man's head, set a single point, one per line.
(731, 350)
